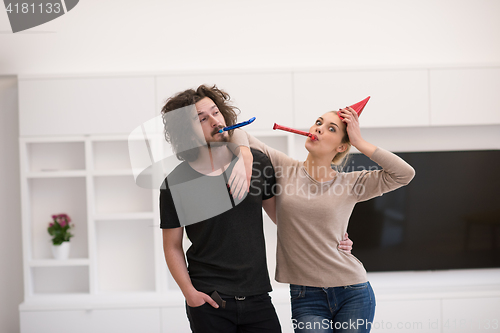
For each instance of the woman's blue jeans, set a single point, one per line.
(337, 309)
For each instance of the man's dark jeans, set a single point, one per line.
(254, 314)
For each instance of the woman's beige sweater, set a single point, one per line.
(312, 216)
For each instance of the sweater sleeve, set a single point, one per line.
(395, 173)
(239, 138)
(278, 158)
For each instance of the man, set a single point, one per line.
(227, 258)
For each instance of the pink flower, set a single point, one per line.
(63, 223)
(64, 217)
(51, 225)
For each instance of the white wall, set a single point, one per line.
(153, 35)
(11, 266)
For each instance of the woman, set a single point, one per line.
(329, 288)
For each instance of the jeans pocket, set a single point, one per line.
(357, 286)
(197, 307)
(297, 292)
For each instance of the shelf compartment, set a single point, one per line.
(50, 196)
(125, 256)
(60, 280)
(120, 194)
(59, 263)
(124, 216)
(56, 174)
(56, 156)
(111, 155)
(114, 172)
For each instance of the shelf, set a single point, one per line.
(125, 260)
(58, 156)
(56, 174)
(60, 280)
(59, 263)
(124, 216)
(112, 172)
(49, 196)
(120, 194)
(111, 155)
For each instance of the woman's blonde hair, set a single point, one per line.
(340, 159)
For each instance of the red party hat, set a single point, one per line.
(358, 107)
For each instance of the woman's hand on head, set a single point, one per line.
(351, 120)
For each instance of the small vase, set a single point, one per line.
(61, 252)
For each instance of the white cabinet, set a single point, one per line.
(474, 314)
(84, 105)
(174, 320)
(415, 97)
(465, 96)
(399, 98)
(471, 315)
(95, 321)
(415, 315)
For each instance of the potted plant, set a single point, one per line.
(59, 229)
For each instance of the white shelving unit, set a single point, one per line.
(115, 246)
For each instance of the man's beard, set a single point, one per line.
(224, 138)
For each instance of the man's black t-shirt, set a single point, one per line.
(228, 248)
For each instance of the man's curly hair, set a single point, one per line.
(178, 126)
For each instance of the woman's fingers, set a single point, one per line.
(239, 188)
(352, 111)
(231, 179)
(349, 115)
(344, 114)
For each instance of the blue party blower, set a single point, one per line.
(244, 123)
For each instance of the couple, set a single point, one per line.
(217, 195)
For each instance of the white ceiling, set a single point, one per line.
(117, 36)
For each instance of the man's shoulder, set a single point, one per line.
(181, 173)
(259, 156)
